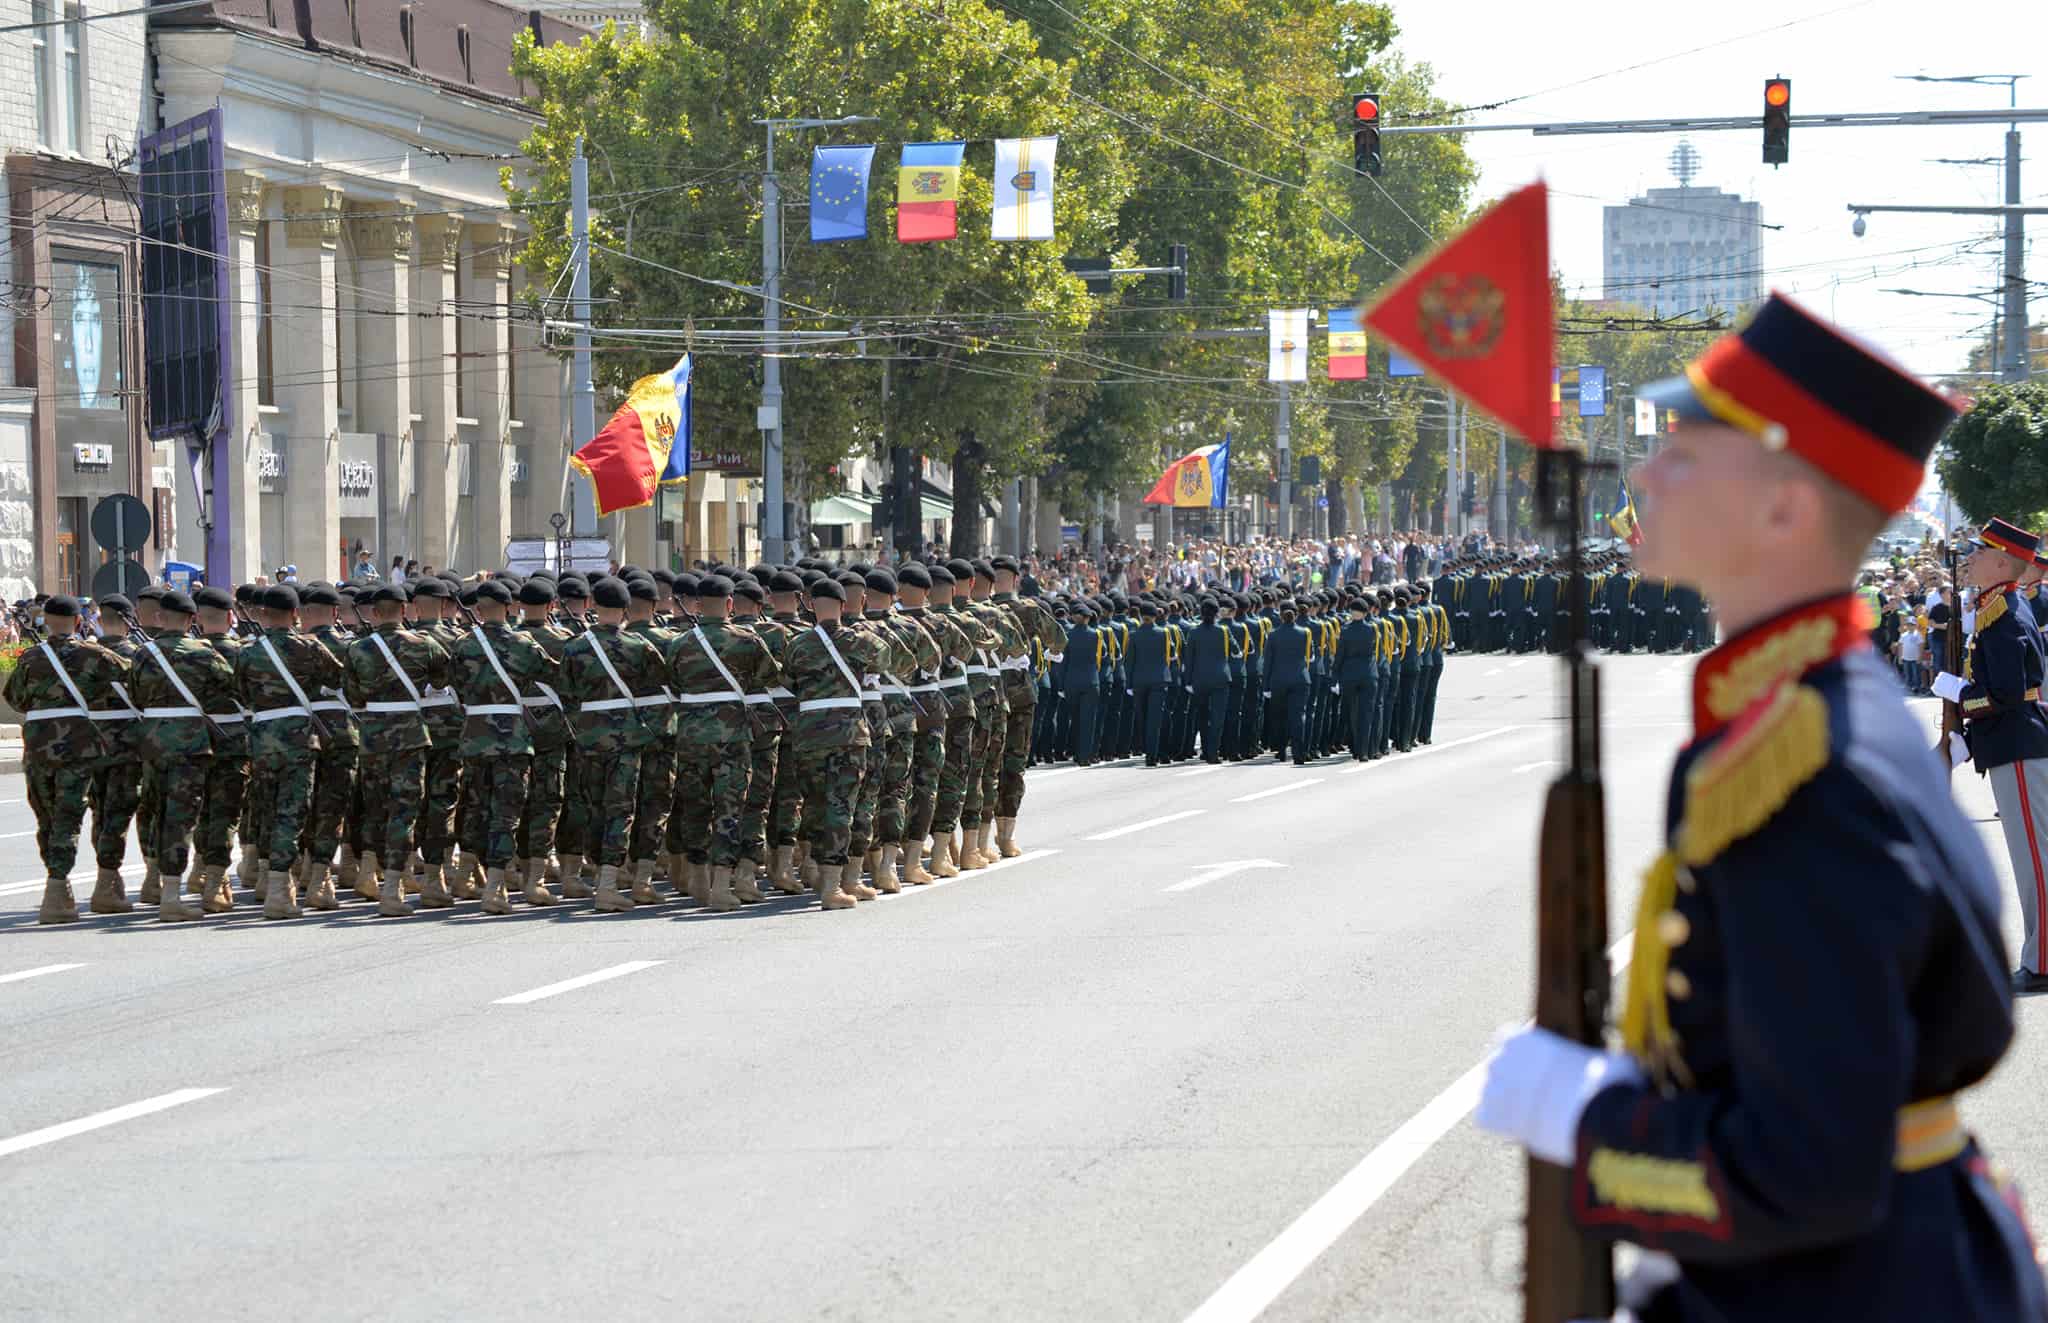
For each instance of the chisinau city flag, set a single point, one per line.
(1023, 188)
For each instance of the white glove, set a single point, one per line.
(1949, 685)
(1538, 1084)
(1190, 688)
(1958, 749)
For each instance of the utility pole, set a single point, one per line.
(583, 413)
(1283, 423)
(2018, 344)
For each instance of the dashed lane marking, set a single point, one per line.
(1270, 791)
(40, 970)
(604, 975)
(1426, 749)
(1208, 873)
(1146, 825)
(101, 1120)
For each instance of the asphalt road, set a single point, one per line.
(1203, 1052)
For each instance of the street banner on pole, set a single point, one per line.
(839, 193)
(1023, 188)
(1287, 344)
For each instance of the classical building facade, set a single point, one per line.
(387, 394)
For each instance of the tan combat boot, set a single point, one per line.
(535, 885)
(700, 882)
(195, 885)
(573, 885)
(171, 906)
(718, 890)
(743, 884)
(1006, 838)
(515, 875)
(849, 880)
(218, 897)
(109, 893)
(782, 871)
(244, 863)
(465, 880)
(368, 872)
(494, 897)
(871, 861)
(830, 894)
(643, 883)
(350, 868)
(942, 856)
(987, 848)
(886, 881)
(391, 893)
(914, 873)
(59, 905)
(967, 853)
(319, 880)
(260, 882)
(280, 897)
(811, 874)
(152, 881)
(434, 887)
(609, 900)
(410, 875)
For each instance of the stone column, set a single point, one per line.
(439, 239)
(303, 351)
(381, 234)
(487, 388)
(235, 506)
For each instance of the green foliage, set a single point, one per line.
(1995, 460)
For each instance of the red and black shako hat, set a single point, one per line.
(1796, 383)
(2009, 538)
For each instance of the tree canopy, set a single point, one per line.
(1995, 459)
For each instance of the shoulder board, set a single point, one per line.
(1990, 612)
(1779, 745)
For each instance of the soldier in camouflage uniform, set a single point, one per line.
(497, 673)
(714, 668)
(436, 611)
(276, 676)
(148, 789)
(914, 705)
(829, 739)
(576, 834)
(765, 746)
(551, 740)
(985, 760)
(182, 686)
(968, 726)
(227, 774)
(1038, 632)
(63, 749)
(116, 795)
(954, 709)
(785, 797)
(334, 772)
(250, 828)
(604, 672)
(656, 791)
(389, 673)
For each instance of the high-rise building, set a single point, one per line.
(1683, 250)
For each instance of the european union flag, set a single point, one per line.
(839, 193)
(1592, 392)
(1400, 365)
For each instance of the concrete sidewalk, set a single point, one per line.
(10, 749)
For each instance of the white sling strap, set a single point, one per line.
(625, 695)
(739, 691)
(837, 660)
(70, 687)
(284, 673)
(164, 665)
(491, 656)
(412, 690)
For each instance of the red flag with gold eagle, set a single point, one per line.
(1477, 314)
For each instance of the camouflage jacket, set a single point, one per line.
(550, 723)
(527, 665)
(438, 707)
(230, 739)
(703, 718)
(915, 668)
(1038, 632)
(777, 633)
(661, 717)
(167, 732)
(956, 654)
(262, 690)
(389, 717)
(605, 720)
(33, 687)
(334, 710)
(989, 630)
(829, 714)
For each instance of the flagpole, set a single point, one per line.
(583, 412)
(1283, 434)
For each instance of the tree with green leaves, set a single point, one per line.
(1994, 461)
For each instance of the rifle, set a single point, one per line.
(1567, 1274)
(135, 632)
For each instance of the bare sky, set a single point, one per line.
(1841, 56)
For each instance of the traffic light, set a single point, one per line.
(1177, 279)
(1777, 120)
(1365, 133)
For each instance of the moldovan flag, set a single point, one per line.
(928, 191)
(1200, 478)
(645, 446)
(1625, 523)
(1023, 188)
(1477, 314)
(1347, 346)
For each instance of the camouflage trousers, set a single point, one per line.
(952, 788)
(543, 811)
(443, 776)
(927, 762)
(1009, 795)
(762, 759)
(249, 826)
(572, 832)
(830, 783)
(609, 786)
(495, 791)
(984, 766)
(181, 796)
(711, 782)
(149, 804)
(116, 793)
(787, 797)
(289, 781)
(394, 788)
(334, 786)
(227, 785)
(892, 812)
(56, 794)
(861, 833)
(654, 802)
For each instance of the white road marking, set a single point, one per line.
(1530, 767)
(15, 835)
(100, 1120)
(1208, 873)
(1270, 791)
(997, 866)
(1046, 774)
(580, 981)
(40, 970)
(1490, 674)
(36, 883)
(1254, 1287)
(1146, 825)
(1413, 754)
(1513, 664)
(1201, 771)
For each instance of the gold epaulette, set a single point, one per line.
(1990, 612)
(1730, 793)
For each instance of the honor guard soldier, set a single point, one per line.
(1817, 970)
(500, 676)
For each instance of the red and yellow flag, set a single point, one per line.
(1347, 345)
(928, 191)
(645, 445)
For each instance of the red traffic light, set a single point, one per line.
(1365, 109)
(1778, 92)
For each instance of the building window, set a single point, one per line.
(39, 50)
(266, 378)
(405, 36)
(459, 310)
(72, 113)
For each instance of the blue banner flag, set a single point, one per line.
(1400, 365)
(839, 193)
(678, 466)
(1592, 392)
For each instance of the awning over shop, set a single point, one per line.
(844, 508)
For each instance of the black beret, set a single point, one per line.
(383, 595)
(319, 594)
(116, 603)
(214, 599)
(1005, 563)
(63, 606)
(714, 586)
(151, 593)
(176, 603)
(665, 577)
(611, 593)
(432, 588)
(783, 581)
(628, 571)
(914, 575)
(750, 590)
(639, 590)
(573, 588)
(962, 570)
(940, 574)
(536, 592)
(762, 571)
(860, 567)
(281, 597)
(850, 579)
(685, 583)
(881, 581)
(247, 592)
(984, 570)
(827, 590)
(493, 591)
